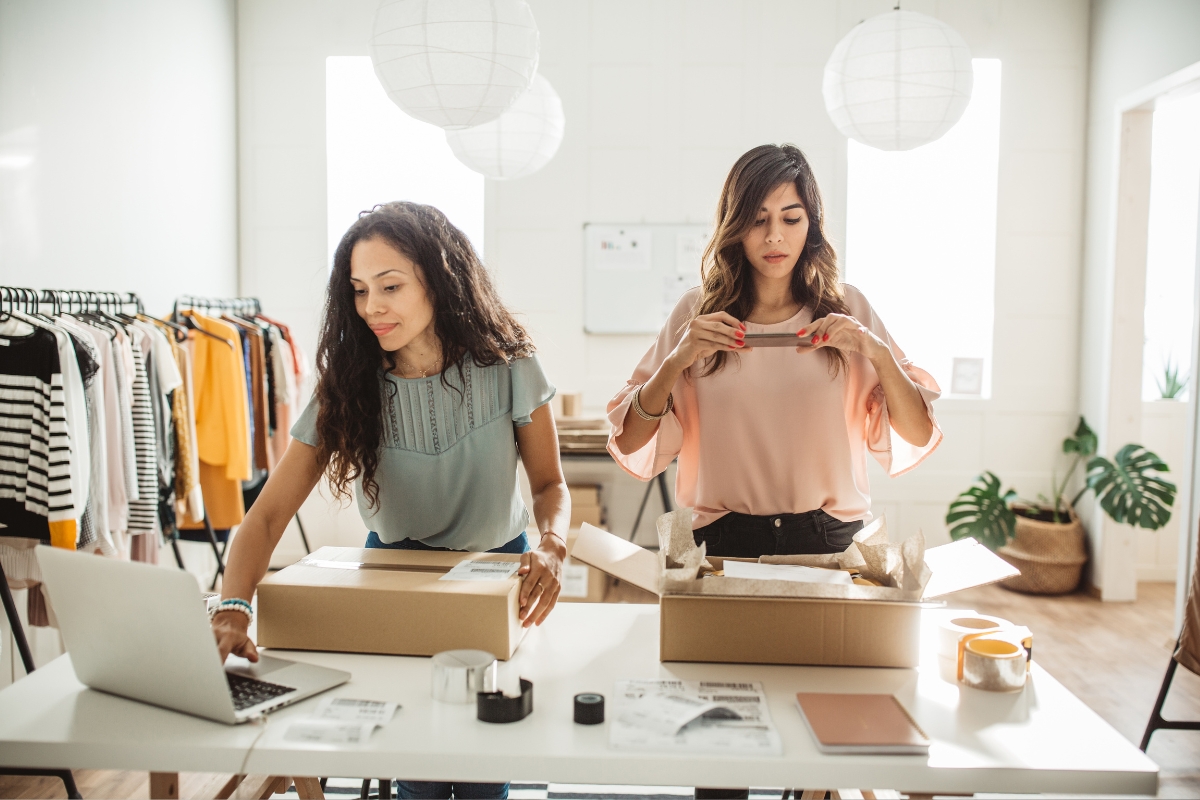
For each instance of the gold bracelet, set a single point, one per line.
(552, 533)
(641, 412)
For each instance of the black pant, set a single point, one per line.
(747, 536)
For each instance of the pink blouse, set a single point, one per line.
(774, 432)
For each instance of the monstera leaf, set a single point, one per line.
(1127, 490)
(1084, 441)
(983, 512)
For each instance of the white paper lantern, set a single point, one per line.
(898, 81)
(520, 142)
(455, 63)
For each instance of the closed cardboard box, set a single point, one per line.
(740, 621)
(393, 602)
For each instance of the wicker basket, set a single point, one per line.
(1050, 556)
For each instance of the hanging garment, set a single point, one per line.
(124, 372)
(143, 511)
(36, 498)
(189, 499)
(222, 420)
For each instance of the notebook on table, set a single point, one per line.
(874, 724)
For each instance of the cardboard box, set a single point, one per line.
(741, 621)
(353, 600)
(581, 583)
(584, 494)
(581, 514)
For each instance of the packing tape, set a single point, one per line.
(994, 665)
(952, 630)
(589, 708)
(499, 707)
(1017, 635)
(460, 675)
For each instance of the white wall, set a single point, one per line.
(1133, 43)
(117, 146)
(661, 97)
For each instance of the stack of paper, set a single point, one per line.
(341, 720)
(693, 716)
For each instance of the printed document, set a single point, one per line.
(692, 716)
(786, 572)
(482, 571)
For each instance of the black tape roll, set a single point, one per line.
(497, 707)
(589, 708)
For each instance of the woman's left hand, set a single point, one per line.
(542, 568)
(843, 332)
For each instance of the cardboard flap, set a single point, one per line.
(964, 564)
(622, 559)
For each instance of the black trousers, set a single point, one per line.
(747, 536)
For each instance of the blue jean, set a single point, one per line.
(439, 790)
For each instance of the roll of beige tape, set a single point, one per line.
(994, 665)
(953, 629)
(460, 675)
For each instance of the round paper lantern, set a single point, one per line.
(454, 63)
(898, 81)
(520, 142)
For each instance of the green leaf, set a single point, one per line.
(1127, 490)
(982, 512)
(1084, 442)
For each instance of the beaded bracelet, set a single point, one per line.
(641, 412)
(235, 604)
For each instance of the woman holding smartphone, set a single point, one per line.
(426, 387)
(773, 441)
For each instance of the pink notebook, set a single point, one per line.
(861, 724)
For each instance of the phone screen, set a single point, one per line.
(776, 340)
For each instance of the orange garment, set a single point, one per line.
(222, 420)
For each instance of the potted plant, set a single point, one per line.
(1046, 540)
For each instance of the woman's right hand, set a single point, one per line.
(231, 631)
(706, 335)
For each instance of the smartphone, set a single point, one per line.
(776, 340)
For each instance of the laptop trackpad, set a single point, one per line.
(260, 670)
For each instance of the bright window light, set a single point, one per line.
(1171, 245)
(921, 241)
(375, 153)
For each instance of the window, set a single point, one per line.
(921, 240)
(1171, 244)
(375, 153)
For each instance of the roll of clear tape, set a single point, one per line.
(952, 630)
(993, 665)
(460, 675)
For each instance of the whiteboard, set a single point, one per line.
(633, 275)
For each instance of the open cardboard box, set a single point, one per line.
(734, 620)
(354, 600)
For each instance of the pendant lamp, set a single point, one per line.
(520, 141)
(898, 80)
(454, 63)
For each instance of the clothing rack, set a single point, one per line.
(14, 298)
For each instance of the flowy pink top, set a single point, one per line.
(774, 431)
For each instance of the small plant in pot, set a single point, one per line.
(1046, 540)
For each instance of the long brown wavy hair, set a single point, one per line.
(728, 276)
(469, 320)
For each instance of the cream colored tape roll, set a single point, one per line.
(460, 675)
(954, 628)
(994, 665)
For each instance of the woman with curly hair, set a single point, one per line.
(773, 444)
(426, 388)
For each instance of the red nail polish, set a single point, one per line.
(738, 334)
(742, 325)
(802, 330)
(816, 338)
(825, 338)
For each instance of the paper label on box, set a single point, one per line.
(574, 580)
(327, 731)
(482, 571)
(376, 712)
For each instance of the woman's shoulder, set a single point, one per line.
(686, 307)
(855, 299)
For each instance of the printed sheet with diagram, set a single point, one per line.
(692, 716)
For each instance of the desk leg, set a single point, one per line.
(164, 786)
(309, 788)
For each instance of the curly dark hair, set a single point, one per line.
(469, 319)
(728, 277)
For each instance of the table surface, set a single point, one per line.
(1043, 739)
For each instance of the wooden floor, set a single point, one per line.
(1111, 655)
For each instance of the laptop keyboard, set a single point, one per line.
(249, 692)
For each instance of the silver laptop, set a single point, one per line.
(141, 632)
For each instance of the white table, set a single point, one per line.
(1042, 740)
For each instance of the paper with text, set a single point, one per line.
(482, 571)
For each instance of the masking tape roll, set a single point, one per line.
(993, 665)
(954, 628)
(460, 675)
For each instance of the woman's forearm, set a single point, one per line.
(552, 509)
(653, 398)
(906, 408)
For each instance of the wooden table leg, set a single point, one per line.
(164, 786)
(309, 788)
(257, 787)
